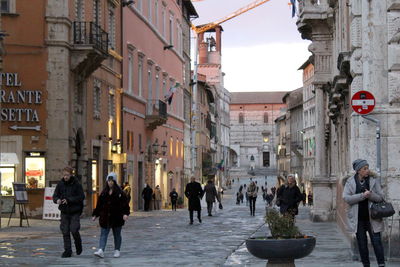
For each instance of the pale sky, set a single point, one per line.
(261, 49)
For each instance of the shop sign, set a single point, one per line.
(15, 96)
(50, 209)
(21, 196)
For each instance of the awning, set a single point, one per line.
(8, 158)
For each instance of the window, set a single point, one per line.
(5, 6)
(130, 72)
(111, 30)
(182, 147)
(150, 81)
(7, 178)
(150, 6)
(171, 146)
(265, 117)
(241, 118)
(179, 32)
(163, 18)
(171, 29)
(79, 10)
(140, 142)
(96, 101)
(111, 103)
(177, 148)
(96, 12)
(129, 140)
(35, 171)
(157, 87)
(156, 14)
(140, 76)
(139, 5)
(164, 87)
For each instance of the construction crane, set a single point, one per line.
(198, 30)
(211, 25)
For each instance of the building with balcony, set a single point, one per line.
(63, 66)
(252, 138)
(355, 47)
(156, 81)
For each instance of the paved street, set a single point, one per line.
(165, 238)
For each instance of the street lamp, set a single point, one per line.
(155, 147)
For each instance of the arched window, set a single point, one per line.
(241, 118)
(265, 117)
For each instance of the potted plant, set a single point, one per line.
(285, 244)
(179, 203)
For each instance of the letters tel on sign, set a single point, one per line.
(363, 102)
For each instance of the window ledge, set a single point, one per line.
(8, 14)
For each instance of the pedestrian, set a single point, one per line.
(127, 191)
(359, 193)
(174, 198)
(289, 197)
(113, 209)
(238, 198)
(304, 195)
(69, 196)
(147, 194)
(194, 193)
(222, 192)
(247, 198)
(211, 195)
(252, 195)
(157, 198)
(310, 198)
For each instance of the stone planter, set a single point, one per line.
(280, 252)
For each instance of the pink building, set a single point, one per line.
(156, 37)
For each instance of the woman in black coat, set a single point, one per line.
(113, 210)
(194, 193)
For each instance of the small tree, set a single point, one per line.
(281, 226)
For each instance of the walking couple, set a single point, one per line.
(112, 208)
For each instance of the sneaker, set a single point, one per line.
(66, 254)
(99, 253)
(116, 253)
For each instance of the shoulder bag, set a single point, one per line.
(381, 210)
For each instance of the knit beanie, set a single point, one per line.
(112, 176)
(359, 163)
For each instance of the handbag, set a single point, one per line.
(381, 210)
(220, 206)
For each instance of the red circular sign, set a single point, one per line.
(363, 102)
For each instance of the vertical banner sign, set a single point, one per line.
(50, 209)
(363, 102)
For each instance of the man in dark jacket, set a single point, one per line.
(194, 193)
(289, 196)
(147, 195)
(174, 198)
(211, 195)
(69, 196)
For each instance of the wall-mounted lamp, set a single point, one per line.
(116, 147)
(127, 2)
(164, 148)
(168, 47)
(155, 147)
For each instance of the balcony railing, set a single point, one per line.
(156, 113)
(89, 33)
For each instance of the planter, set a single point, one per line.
(280, 252)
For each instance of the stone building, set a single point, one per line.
(252, 139)
(156, 44)
(355, 47)
(62, 83)
(282, 148)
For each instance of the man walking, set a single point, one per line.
(174, 198)
(147, 194)
(289, 197)
(69, 196)
(194, 193)
(211, 195)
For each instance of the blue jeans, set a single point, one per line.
(116, 234)
(376, 241)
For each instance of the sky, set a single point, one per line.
(261, 49)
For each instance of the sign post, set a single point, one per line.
(363, 103)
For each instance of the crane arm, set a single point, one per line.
(238, 12)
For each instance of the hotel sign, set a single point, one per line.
(17, 104)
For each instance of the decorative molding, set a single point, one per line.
(114, 54)
(133, 112)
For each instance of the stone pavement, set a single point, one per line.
(164, 238)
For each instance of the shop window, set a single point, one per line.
(35, 170)
(7, 179)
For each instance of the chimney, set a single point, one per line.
(218, 38)
(203, 53)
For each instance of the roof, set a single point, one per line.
(192, 11)
(309, 61)
(257, 97)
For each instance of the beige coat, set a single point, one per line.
(157, 194)
(351, 198)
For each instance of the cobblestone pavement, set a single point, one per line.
(165, 238)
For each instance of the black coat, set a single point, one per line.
(147, 193)
(112, 208)
(72, 191)
(174, 196)
(194, 193)
(289, 199)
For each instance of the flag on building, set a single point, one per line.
(170, 94)
(220, 165)
(293, 3)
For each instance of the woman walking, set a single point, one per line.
(360, 192)
(252, 195)
(113, 210)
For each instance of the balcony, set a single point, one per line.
(90, 47)
(156, 113)
(311, 13)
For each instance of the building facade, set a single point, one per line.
(60, 94)
(252, 140)
(156, 80)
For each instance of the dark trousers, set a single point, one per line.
(376, 241)
(173, 204)
(146, 205)
(209, 207)
(70, 224)
(252, 201)
(191, 215)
